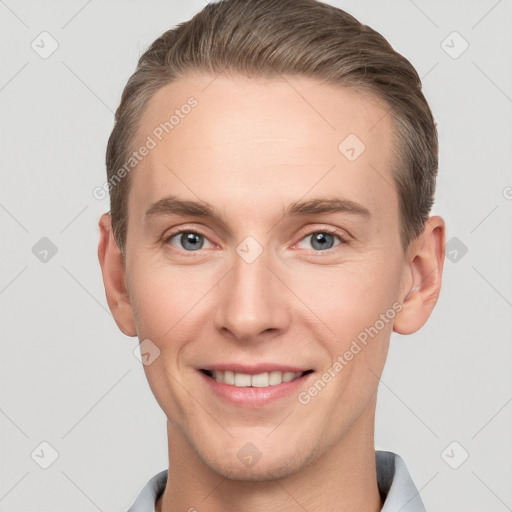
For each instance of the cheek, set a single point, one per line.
(358, 308)
(169, 305)
(348, 298)
(164, 298)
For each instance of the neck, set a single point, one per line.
(342, 479)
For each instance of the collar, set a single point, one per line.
(396, 487)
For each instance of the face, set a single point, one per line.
(262, 245)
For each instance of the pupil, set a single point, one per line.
(324, 241)
(191, 241)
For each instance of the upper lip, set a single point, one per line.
(254, 369)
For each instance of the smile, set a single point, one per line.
(259, 380)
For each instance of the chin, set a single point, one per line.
(268, 468)
(262, 473)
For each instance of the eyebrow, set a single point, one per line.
(172, 205)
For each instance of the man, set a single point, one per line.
(271, 173)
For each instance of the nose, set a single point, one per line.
(252, 302)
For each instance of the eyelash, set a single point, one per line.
(333, 232)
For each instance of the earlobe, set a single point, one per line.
(113, 271)
(426, 259)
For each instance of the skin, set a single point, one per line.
(250, 148)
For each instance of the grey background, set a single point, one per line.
(70, 378)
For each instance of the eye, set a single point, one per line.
(188, 240)
(321, 240)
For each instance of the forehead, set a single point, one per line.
(246, 140)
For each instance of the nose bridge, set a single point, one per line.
(252, 300)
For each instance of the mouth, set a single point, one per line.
(259, 380)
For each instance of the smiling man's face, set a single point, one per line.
(289, 252)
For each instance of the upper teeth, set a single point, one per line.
(261, 380)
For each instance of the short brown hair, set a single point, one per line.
(268, 38)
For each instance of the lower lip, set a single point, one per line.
(252, 396)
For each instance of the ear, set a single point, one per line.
(422, 283)
(113, 270)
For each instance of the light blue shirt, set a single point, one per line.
(395, 485)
